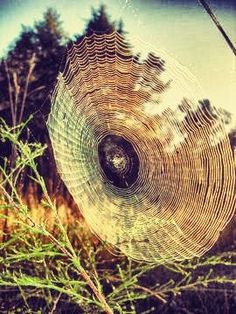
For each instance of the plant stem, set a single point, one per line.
(31, 68)
(218, 25)
(13, 116)
(98, 294)
(55, 304)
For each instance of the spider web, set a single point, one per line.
(184, 192)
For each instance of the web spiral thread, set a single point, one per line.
(181, 191)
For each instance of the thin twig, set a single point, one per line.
(25, 94)
(152, 293)
(98, 294)
(218, 25)
(55, 304)
(13, 116)
(149, 291)
(17, 91)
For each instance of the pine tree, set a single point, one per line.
(100, 24)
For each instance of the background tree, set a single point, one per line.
(27, 76)
(44, 44)
(100, 23)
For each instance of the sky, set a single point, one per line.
(180, 27)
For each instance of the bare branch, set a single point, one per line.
(218, 25)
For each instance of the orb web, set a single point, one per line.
(149, 165)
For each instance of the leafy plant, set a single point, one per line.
(67, 267)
